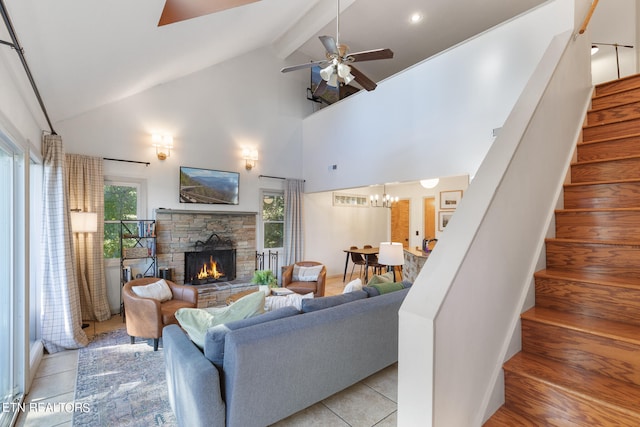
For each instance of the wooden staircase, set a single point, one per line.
(580, 358)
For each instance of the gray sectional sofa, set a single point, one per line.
(257, 371)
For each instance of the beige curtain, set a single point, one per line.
(61, 314)
(86, 193)
(293, 222)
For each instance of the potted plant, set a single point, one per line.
(265, 278)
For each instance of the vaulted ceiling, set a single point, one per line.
(84, 54)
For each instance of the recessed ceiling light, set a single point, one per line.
(415, 18)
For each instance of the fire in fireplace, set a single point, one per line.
(209, 266)
(213, 261)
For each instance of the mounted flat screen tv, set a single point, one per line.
(332, 94)
(209, 186)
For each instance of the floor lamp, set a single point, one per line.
(391, 254)
(83, 222)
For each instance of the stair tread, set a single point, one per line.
(596, 125)
(588, 385)
(602, 140)
(588, 210)
(601, 242)
(508, 418)
(590, 277)
(588, 324)
(611, 159)
(622, 104)
(616, 181)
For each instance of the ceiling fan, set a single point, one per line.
(337, 68)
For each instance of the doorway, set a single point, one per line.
(400, 222)
(429, 211)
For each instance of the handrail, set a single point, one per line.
(588, 18)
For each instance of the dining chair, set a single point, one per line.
(357, 259)
(372, 261)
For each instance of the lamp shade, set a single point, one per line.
(391, 253)
(84, 222)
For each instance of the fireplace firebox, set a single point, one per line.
(210, 262)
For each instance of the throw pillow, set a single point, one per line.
(381, 278)
(293, 300)
(159, 290)
(309, 305)
(306, 274)
(385, 288)
(215, 336)
(354, 285)
(196, 321)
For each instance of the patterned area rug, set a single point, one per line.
(121, 383)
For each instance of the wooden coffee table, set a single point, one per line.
(235, 297)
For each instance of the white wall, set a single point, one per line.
(212, 115)
(434, 119)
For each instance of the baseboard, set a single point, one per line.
(36, 354)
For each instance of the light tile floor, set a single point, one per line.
(371, 402)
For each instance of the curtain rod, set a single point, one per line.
(274, 177)
(15, 45)
(125, 161)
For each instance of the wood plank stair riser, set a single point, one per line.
(610, 195)
(618, 85)
(620, 304)
(607, 356)
(555, 407)
(606, 170)
(610, 130)
(616, 260)
(613, 114)
(622, 225)
(614, 99)
(609, 148)
(507, 418)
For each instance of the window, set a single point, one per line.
(272, 220)
(122, 201)
(12, 277)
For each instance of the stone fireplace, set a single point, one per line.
(228, 237)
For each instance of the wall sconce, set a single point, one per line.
(83, 222)
(429, 183)
(163, 144)
(250, 157)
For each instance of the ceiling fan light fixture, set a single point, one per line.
(343, 70)
(327, 72)
(333, 80)
(348, 79)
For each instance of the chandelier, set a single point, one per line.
(386, 201)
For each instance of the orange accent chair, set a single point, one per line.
(146, 317)
(300, 287)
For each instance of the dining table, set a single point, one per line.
(362, 251)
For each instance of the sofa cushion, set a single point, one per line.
(306, 274)
(383, 288)
(278, 301)
(159, 290)
(215, 337)
(309, 305)
(196, 321)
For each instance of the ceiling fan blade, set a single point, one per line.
(322, 87)
(180, 10)
(363, 80)
(371, 55)
(302, 66)
(329, 44)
